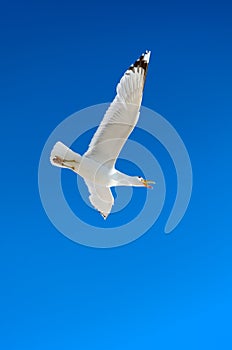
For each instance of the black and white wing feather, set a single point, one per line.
(122, 115)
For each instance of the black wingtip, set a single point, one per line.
(142, 61)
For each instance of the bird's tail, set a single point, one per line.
(63, 157)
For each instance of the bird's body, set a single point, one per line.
(97, 165)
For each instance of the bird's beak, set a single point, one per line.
(147, 183)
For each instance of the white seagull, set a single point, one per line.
(97, 165)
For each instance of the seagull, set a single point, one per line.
(97, 165)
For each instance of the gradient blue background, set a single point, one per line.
(162, 291)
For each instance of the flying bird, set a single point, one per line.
(97, 165)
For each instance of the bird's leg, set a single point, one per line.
(62, 162)
(69, 161)
(67, 166)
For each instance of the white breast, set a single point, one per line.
(95, 172)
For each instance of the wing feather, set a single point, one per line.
(101, 198)
(122, 115)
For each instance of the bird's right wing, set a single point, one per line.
(122, 115)
(100, 197)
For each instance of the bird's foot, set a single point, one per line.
(62, 162)
(58, 160)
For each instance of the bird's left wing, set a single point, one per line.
(101, 198)
(122, 115)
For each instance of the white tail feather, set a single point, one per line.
(63, 157)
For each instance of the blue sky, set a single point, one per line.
(161, 291)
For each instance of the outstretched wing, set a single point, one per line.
(101, 198)
(122, 115)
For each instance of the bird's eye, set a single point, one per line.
(140, 177)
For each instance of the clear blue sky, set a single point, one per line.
(162, 291)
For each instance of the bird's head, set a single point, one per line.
(143, 182)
